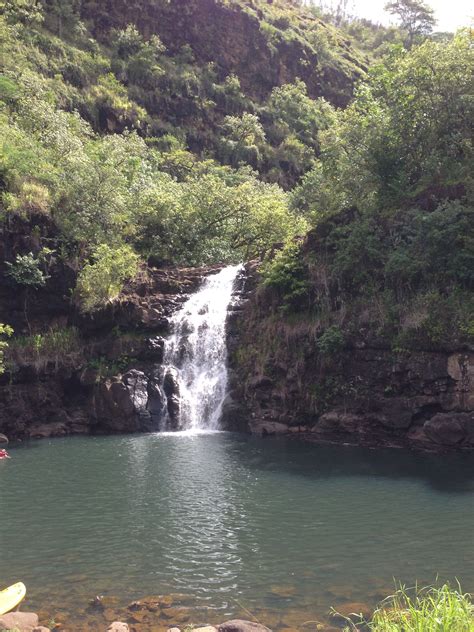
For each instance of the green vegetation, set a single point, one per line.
(391, 199)
(95, 153)
(102, 280)
(416, 18)
(5, 332)
(125, 150)
(430, 609)
(59, 346)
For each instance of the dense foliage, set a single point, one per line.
(123, 150)
(391, 197)
(84, 152)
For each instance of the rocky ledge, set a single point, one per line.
(109, 381)
(365, 394)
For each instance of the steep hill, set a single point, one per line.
(265, 44)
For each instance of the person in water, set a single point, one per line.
(4, 454)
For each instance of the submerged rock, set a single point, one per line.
(118, 626)
(240, 625)
(354, 611)
(19, 621)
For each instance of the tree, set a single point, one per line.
(416, 17)
(243, 136)
(101, 281)
(26, 271)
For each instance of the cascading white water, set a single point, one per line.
(195, 369)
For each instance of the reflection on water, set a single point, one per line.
(230, 521)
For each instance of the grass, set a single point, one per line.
(59, 346)
(428, 609)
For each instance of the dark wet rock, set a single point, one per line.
(154, 349)
(261, 381)
(367, 395)
(156, 398)
(239, 625)
(174, 409)
(19, 621)
(268, 428)
(137, 384)
(171, 383)
(450, 428)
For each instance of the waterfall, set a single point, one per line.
(195, 359)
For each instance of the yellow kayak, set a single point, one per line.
(11, 597)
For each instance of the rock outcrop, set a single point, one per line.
(112, 381)
(366, 394)
(242, 40)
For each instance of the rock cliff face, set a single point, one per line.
(250, 40)
(111, 381)
(366, 394)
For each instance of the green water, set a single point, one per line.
(233, 522)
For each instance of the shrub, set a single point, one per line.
(101, 281)
(5, 332)
(286, 273)
(331, 341)
(26, 271)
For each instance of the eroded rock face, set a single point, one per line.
(93, 393)
(450, 428)
(232, 38)
(366, 395)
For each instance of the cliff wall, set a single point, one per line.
(365, 393)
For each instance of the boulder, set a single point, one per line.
(239, 625)
(337, 421)
(137, 384)
(3, 438)
(205, 628)
(44, 431)
(450, 429)
(118, 626)
(267, 428)
(19, 621)
(171, 382)
(173, 630)
(41, 628)
(154, 349)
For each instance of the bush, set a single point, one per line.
(286, 273)
(101, 281)
(26, 271)
(331, 341)
(5, 332)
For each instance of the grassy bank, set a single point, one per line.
(428, 609)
